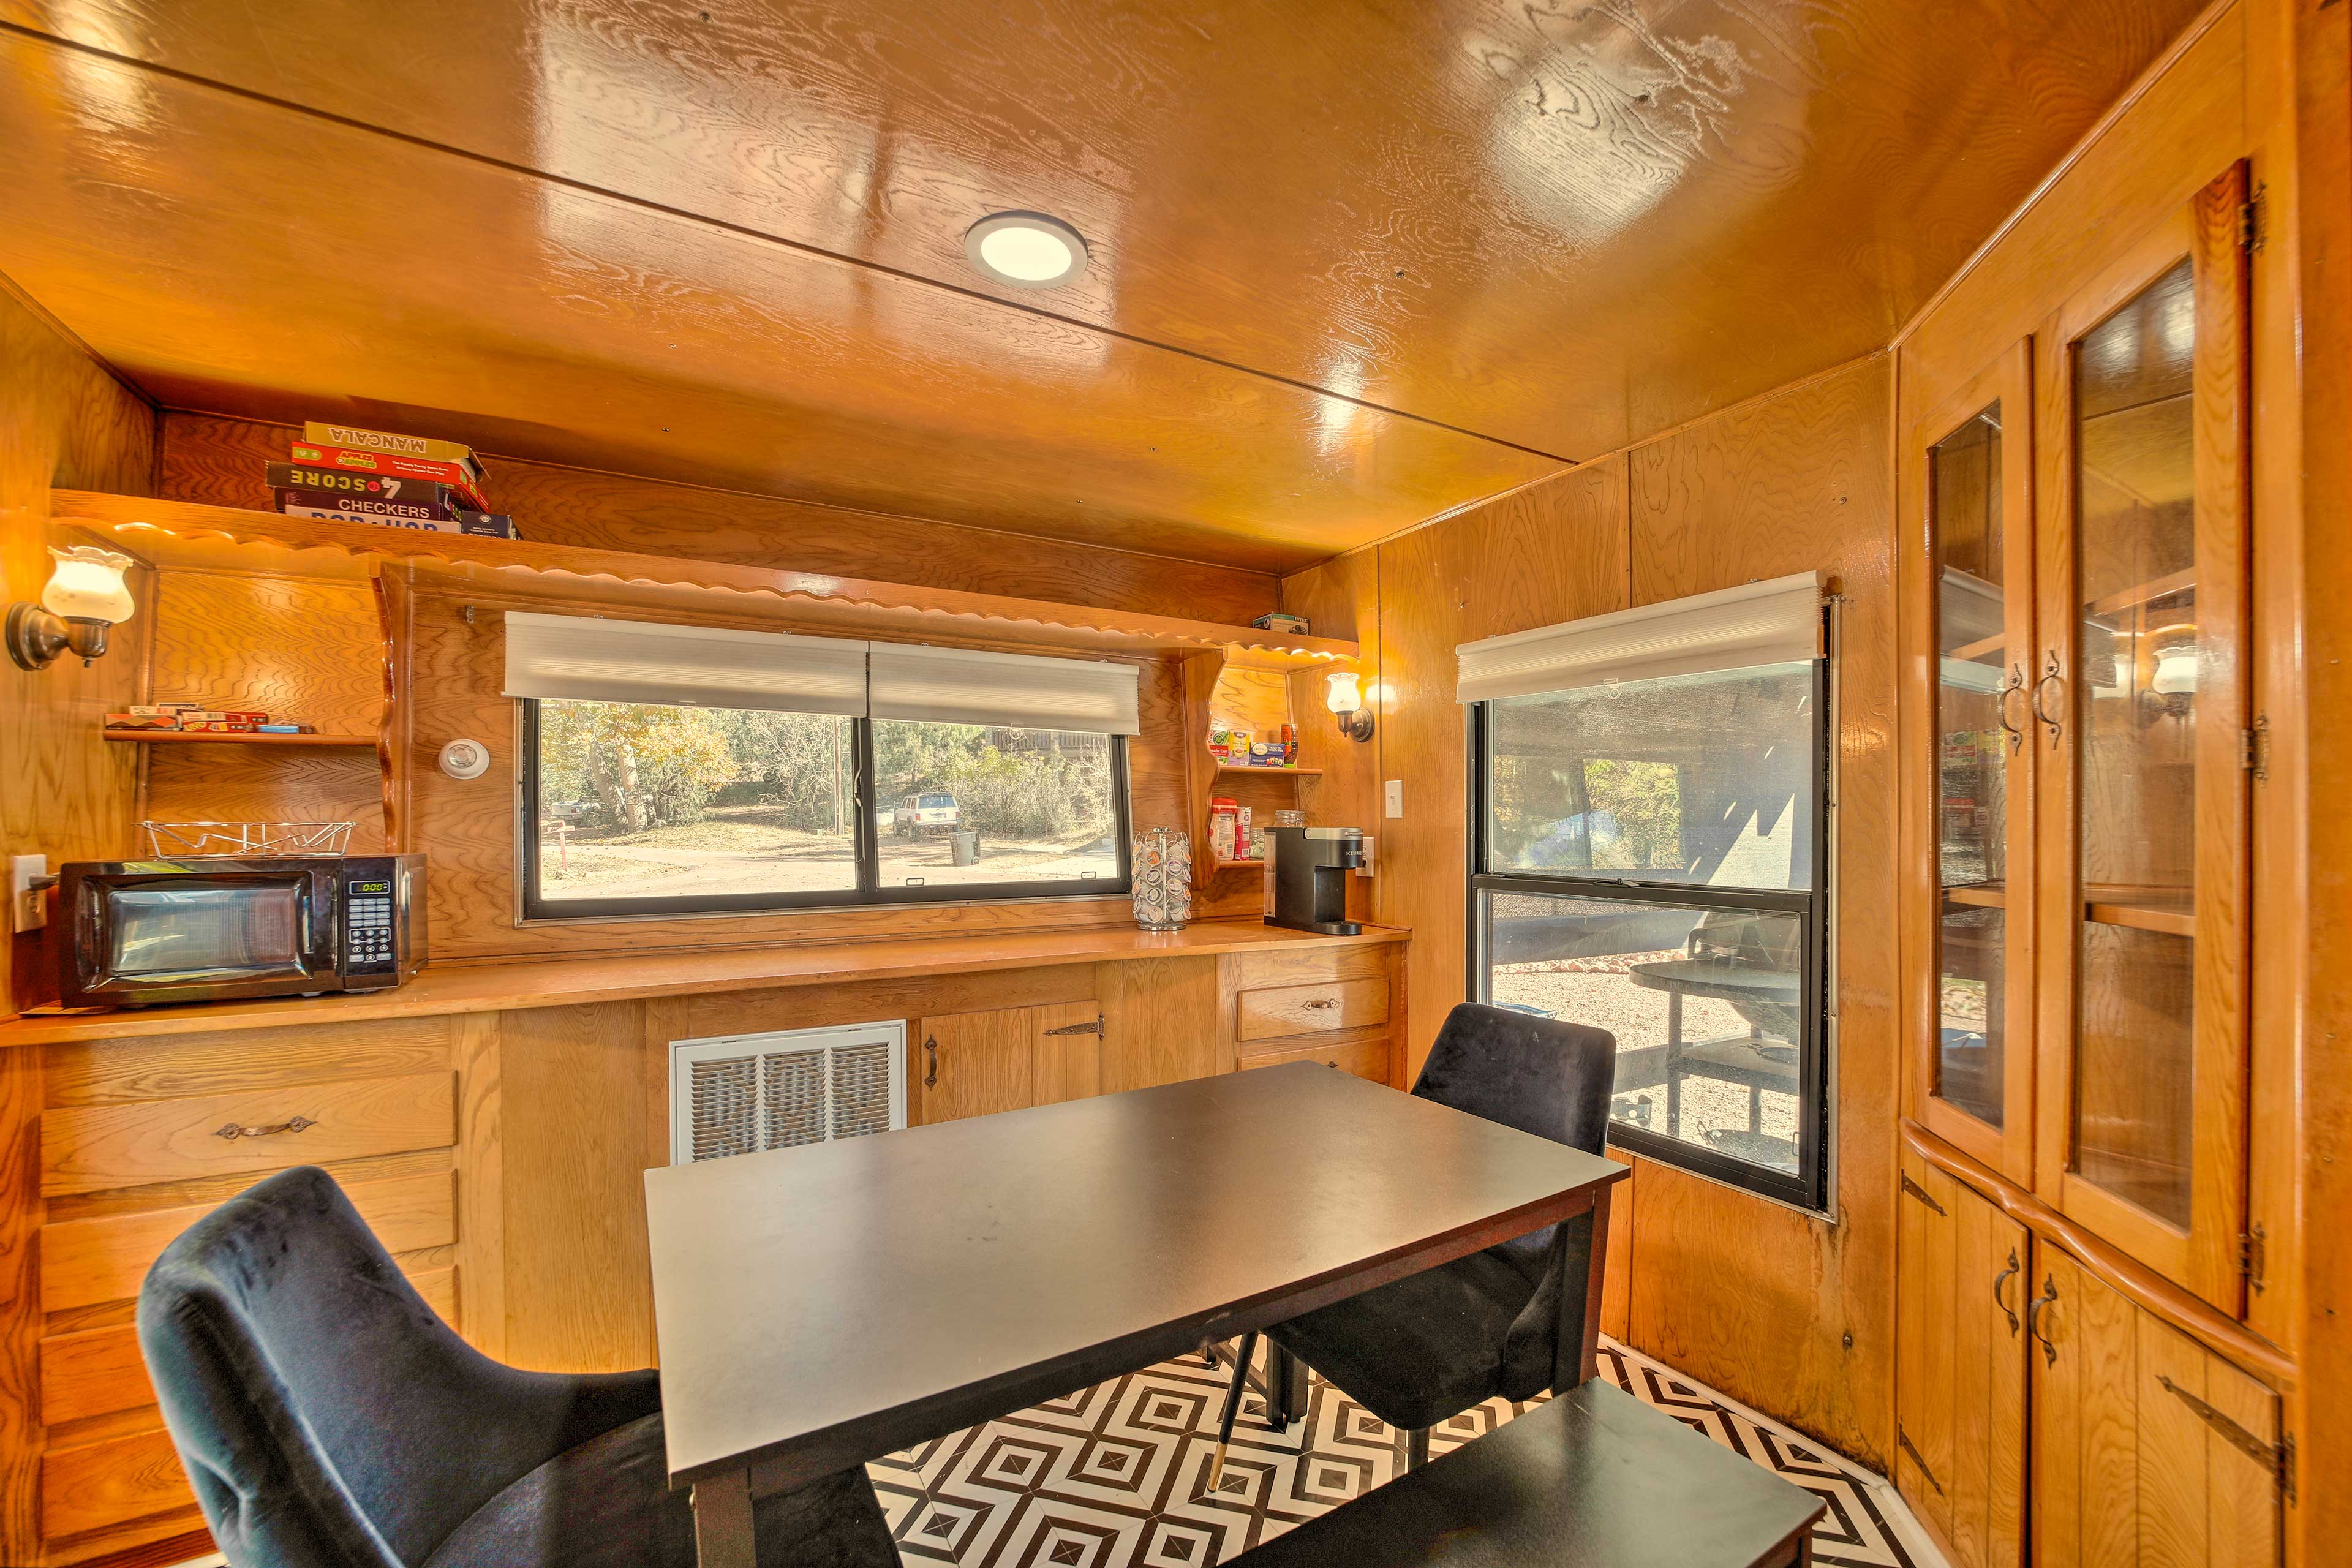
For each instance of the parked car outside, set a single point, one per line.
(925, 816)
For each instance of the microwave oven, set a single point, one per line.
(138, 933)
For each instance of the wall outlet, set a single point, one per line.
(1366, 869)
(29, 905)
(1396, 798)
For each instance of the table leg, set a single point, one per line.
(722, 1520)
(1674, 1063)
(1581, 1256)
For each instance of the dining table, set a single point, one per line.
(821, 1307)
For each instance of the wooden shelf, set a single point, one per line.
(2165, 919)
(1979, 895)
(1218, 865)
(1278, 772)
(183, 534)
(232, 737)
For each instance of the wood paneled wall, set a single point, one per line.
(1791, 1313)
(64, 791)
(219, 461)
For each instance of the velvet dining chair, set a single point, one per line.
(1420, 1350)
(328, 1419)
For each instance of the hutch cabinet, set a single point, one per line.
(2076, 1382)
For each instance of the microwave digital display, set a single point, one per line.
(199, 927)
(371, 886)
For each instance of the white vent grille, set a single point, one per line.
(743, 1094)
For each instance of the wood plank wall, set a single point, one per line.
(1799, 480)
(219, 461)
(63, 791)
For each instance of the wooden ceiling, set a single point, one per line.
(1353, 265)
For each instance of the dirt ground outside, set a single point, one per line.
(745, 849)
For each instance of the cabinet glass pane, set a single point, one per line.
(2134, 718)
(2133, 1116)
(1964, 470)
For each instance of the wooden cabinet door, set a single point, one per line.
(1970, 476)
(976, 1064)
(2139, 697)
(2148, 1449)
(1959, 1371)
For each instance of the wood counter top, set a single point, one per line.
(504, 986)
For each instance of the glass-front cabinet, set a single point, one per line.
(2083, 590)
(1975, 455)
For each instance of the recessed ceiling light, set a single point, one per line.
(1027, 250)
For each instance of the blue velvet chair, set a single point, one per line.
(1422, 1349)
(327, 1419)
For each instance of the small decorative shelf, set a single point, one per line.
(1238, 865)
(233, 738)
(1276, 773)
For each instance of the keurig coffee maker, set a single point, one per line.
(1310, 877)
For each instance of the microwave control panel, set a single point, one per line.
(368, 946)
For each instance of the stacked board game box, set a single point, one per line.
(346, 474)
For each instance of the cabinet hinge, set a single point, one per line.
(2278, 1458)
(2254, 748)
(2249, 221)
(2251, 1255)
(1904, 1438)
(1923, 1194)
(1092, 1026)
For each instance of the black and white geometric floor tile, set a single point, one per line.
(1113, 1477)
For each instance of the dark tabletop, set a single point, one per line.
(812, 1302)
(1594, 1478)
(1720, 977)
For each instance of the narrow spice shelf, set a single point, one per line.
(233, 738)
(1279, 772)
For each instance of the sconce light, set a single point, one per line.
(1346, 700)
(85, 596)
(2174, 685)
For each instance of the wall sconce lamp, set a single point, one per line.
(85, 596)
(1346, 700)
(2173, 686)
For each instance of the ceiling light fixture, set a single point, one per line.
(1026, 250)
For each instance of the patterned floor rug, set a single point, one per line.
(1112, 1477)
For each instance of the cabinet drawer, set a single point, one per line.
(1272, 1013)
(87, 1261)
(1367, 1056)
(110, 1483)
(91, 1148)
(1317, 962)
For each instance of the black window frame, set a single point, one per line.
(1809, 1188)
(866, 854)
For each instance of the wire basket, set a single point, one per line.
(233, 840)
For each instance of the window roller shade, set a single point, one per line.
(1774, 622)
(587, 658)
(1024, 692)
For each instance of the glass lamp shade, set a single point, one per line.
(87, 584)
(1341, 694)
(2175, 671)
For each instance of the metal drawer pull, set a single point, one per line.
(2013, 687)
(2000, 1280)
(2034, 1316)
(232, 1131)
(1321, 1001)
(931, 1063)
(2042, 712)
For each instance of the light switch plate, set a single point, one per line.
(1396, 797)
(28, 906)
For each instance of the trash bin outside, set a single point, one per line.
(964, 846)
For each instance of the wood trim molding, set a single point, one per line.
(2149, 1290)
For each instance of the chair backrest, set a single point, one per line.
(326, 1417)
(1540, 1075)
